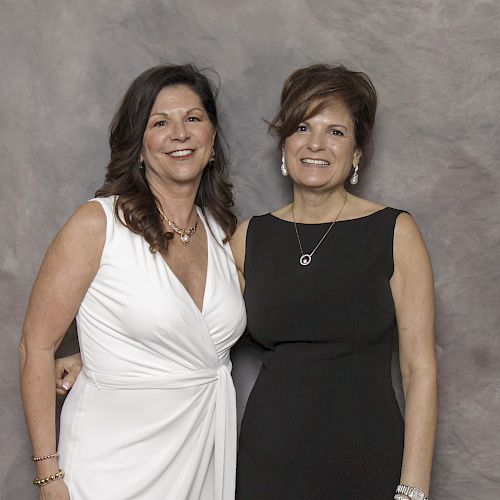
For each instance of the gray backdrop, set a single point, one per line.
(435, 63)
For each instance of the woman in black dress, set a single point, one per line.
(329, 278)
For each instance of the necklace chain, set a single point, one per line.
(306, 258)
(184, 233)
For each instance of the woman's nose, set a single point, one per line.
(316, 141)
(179, 131)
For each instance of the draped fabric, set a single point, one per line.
(153, 414)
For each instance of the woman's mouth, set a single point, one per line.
(315, 162)
(181, 154)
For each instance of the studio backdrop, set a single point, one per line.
(435, 64)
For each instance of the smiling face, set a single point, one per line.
(320, 153)
(178, 139)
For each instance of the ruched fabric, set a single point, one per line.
(153, 414)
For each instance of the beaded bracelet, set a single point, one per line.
(46, 480)
(45, 457)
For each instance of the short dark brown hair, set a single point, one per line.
(137, 206)
(309, 90)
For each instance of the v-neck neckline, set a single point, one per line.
(207, 281)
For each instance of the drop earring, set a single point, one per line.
(284, 171)
(355, 177)
(211, 161)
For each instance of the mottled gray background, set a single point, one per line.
(435, 63)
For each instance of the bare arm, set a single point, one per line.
(64, 277)
(238, 245)
(413, 292)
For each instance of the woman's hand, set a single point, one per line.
(67, 371)
(56, 490)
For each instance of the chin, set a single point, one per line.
(314, 180)
(187, 177)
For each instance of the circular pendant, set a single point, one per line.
(185, 238)
(305, 259)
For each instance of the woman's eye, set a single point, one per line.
(194, 119)
(301, 128)
(160, 123)
(337, 132)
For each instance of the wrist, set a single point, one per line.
(405, 492)
(42, 481)
(47, 467)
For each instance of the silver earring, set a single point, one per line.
(284, 171)
(211, 161)
(141, 164)
(355, 177)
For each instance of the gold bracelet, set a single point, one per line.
(45, 457)
(46, 480)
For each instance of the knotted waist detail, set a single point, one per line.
(224, 411)
(173, 380)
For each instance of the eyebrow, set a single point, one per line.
(161, 113)
(329, 125)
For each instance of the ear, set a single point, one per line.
(283, 147)
(357, 156)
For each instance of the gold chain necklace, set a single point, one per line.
(184, 233)
(305, 258)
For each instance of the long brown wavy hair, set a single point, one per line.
(136, 205)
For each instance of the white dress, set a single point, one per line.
(153, 413)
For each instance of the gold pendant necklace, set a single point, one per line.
(185, 234)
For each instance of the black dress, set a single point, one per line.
(322, 421)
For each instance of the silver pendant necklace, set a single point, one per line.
(306, 258)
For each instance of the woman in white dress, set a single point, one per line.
(148, 272)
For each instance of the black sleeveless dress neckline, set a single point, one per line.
(360, 219)
(322, 421)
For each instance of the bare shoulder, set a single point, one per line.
(67, 270)
(238, 244)
(83, 234)
(359, 207)
(89, 217)
(410, 252)
(406, 231)
(369, 206)
(412, 286)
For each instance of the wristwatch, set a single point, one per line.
(411, 492)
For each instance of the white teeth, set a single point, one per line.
(311, 161)
(181, 152)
